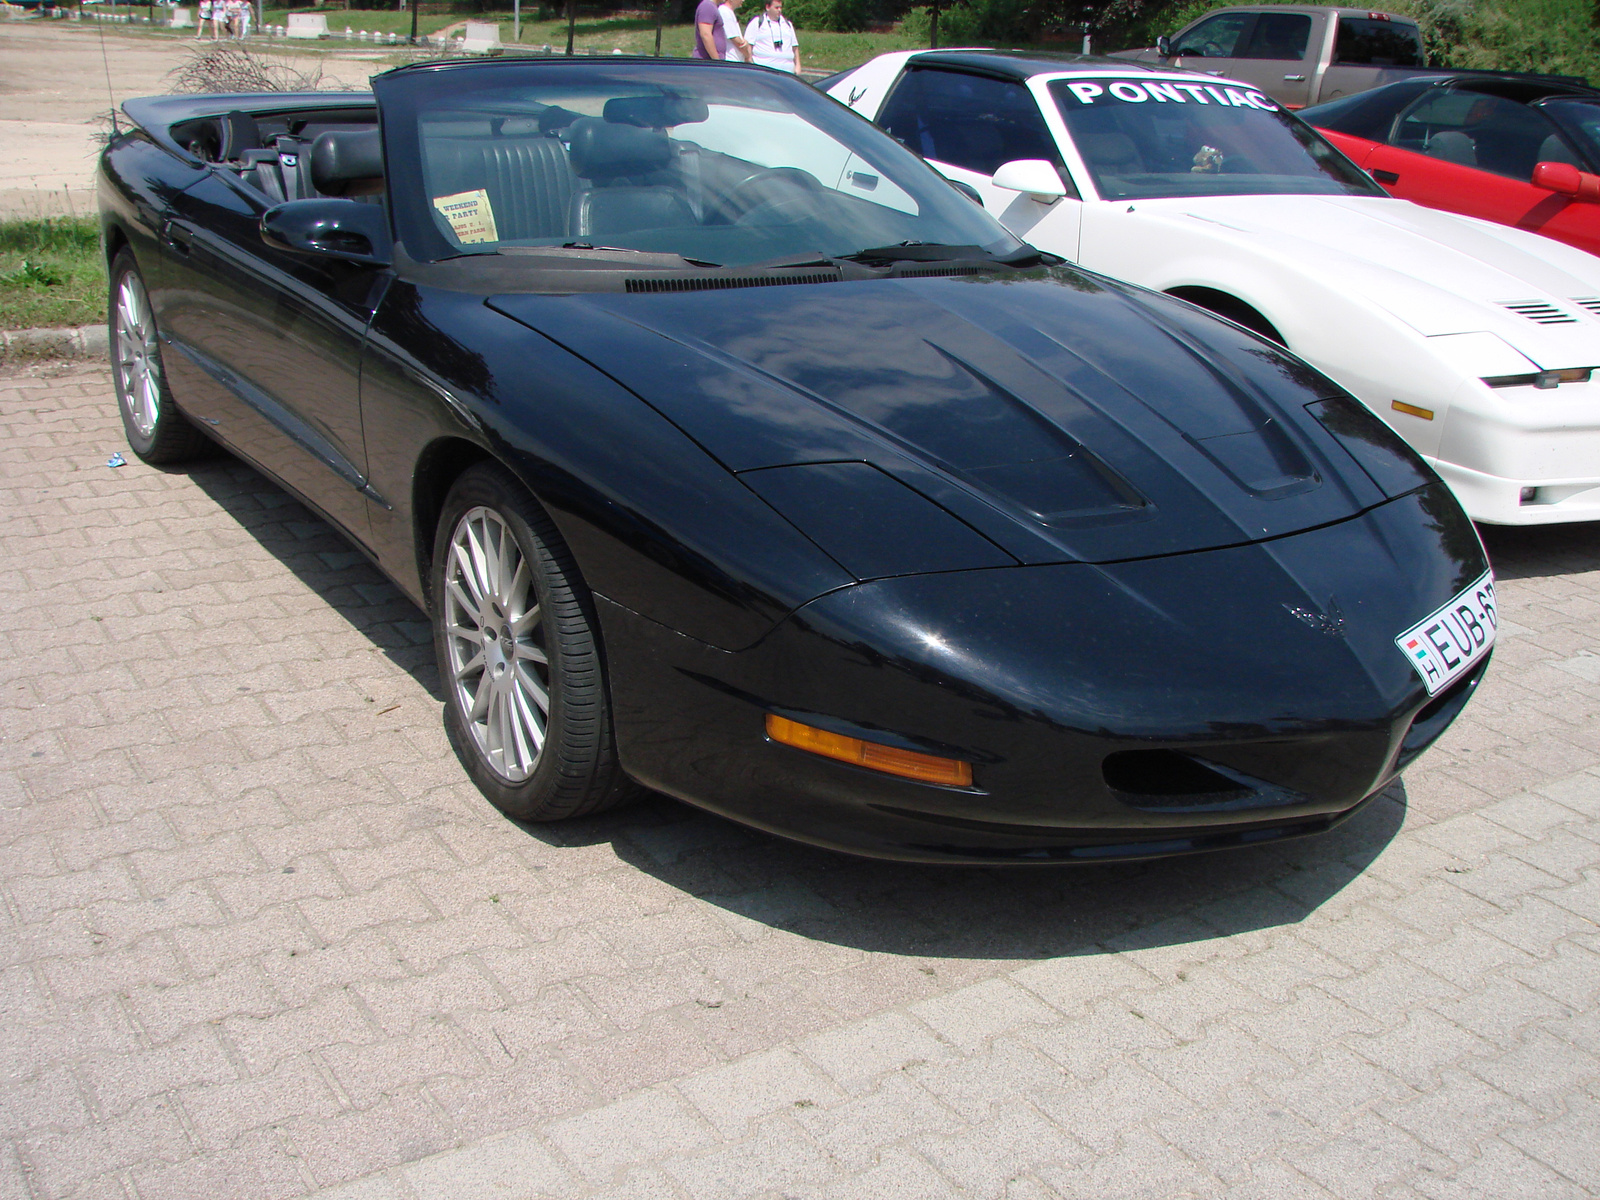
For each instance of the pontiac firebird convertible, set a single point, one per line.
(736, 454)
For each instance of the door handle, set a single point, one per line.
(1386, 176)
(1294, 78)
(177, 237)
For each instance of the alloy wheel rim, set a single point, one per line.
(494, 632)
(138, 365)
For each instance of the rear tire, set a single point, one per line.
(157, 432)
(526, 706)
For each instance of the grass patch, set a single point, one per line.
(51, 273)
(819, 50)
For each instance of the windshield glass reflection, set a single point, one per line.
(1145, 139)
(722, 166)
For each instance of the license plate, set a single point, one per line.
(1449, 642)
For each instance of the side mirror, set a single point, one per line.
(1164, 46)
(344, 229)
(1567, 180)
(967, 190)
(1032, 175)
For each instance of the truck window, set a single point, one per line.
(970, 121)
(1364, 42)
(1216, 37)
(1279, 36)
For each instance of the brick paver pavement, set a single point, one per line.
(262, 939)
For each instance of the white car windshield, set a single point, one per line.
(1143, 139)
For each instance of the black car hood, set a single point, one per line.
(1063, 416)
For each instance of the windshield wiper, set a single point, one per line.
(1023, 256)
(693, 262)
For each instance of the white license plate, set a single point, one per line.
(1449, 642)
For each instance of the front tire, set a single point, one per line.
(157, 432)
(526, 707)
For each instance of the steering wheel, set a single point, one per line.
(790, 179)
(1212, 50)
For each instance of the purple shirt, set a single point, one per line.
(705, 13)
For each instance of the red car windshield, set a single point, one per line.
(1143, 139)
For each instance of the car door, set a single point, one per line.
(1274, 57)
(268, 345)
(1215, 47)
(1474, 154)
(967, 125)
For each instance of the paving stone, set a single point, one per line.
(499, 1168)
(259, 936)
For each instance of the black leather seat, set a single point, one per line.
(347, 162)
(630, 184)
(528, 180)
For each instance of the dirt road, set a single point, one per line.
(57, 82)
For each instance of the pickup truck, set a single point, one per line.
(1298, 54)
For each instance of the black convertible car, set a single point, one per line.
(735, 453)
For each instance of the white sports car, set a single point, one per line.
(1477, 342)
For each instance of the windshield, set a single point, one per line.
(721, 165)
(1581, 120)
(1143, 139)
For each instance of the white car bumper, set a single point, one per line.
(1521, 456)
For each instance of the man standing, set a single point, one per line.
(772, 39)
(738, 48)
(709, 39)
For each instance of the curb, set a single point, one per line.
(81, 341)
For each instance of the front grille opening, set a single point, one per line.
(716, 282)
(1153, 778)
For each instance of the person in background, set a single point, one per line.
(738, 48)
(772, 39)
(205, 19)
(710, 40)
(246, 11)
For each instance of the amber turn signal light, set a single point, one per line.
(926, 768)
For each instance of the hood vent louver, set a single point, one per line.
(718, 282)
(904, 272)
(1541, 311)
(1592, 303)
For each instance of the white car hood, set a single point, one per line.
(1438, 272)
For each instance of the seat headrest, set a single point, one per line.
(601, 150)
(239, 133)
(656, 112)
(555, 117)
(347, 162)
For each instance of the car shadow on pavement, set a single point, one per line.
(1540, 551)
(987, 912)
(320, 557)
(896, 908)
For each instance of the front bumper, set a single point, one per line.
(1497, 443)
(1089, 698)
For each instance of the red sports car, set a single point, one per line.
(1510, 150)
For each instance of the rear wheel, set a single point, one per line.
(157, 431)
(526, 706)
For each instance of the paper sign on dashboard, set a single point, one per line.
(470, 215)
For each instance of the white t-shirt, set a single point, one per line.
(730, 27)
(772, 42)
